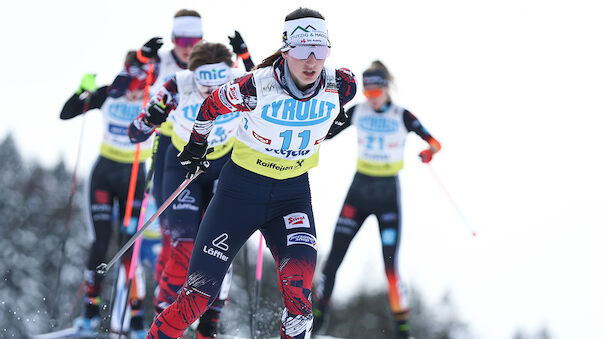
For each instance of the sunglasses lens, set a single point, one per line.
(303, 52)
(186, 42)
(373, 93)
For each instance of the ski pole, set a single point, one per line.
(136, 164)
(103, 268)
(258, 280)
(143, 210)
(85, 107)
(458, 210)
(114, 291)
(247, 280)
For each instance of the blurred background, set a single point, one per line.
(511, 89)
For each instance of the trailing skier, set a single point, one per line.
(382, 128)
(110, 176)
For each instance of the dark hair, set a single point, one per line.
(187, 12)
(204, 53)
(296, 14)
(377, 65)
(131, 58)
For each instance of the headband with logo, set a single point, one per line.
(187, 27)
(374, 77)
(211, 75)
(305, 31)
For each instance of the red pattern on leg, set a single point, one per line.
(163, 256)
(172, 322)
(295, 279)
(174, 273)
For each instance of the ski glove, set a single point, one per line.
(157, 113)
(338, 124)
(88, 83)
(193, 158)
(238, 45)
(426, 155)
(149, 50)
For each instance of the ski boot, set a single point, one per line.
(137, 330)
(319, 314)
(89, 321)
(86, 327)
(208, 325)
(138, 334)
(402, 330)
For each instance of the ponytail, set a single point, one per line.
(269, 60)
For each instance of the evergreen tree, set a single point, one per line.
(33, 206)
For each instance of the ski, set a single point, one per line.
(71, 332)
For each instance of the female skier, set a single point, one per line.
(186, 32)
(180, 98)
(382, 129)
(110, 176)
(287, 105)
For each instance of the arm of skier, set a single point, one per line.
(240, 48)
(343, 121)
(132, 76)
(414, 125)
(237, 95)
(155, 113)
(87, 97)
(346, 84)
(136, 67)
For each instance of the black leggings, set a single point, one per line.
(245, 202)
(368, 195)
(109, 182)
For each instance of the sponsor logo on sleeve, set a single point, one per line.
(296, 220)
(301, 238)
(233, 94)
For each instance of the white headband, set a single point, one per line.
(211, 75)
(187, 27)
(305, 31)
